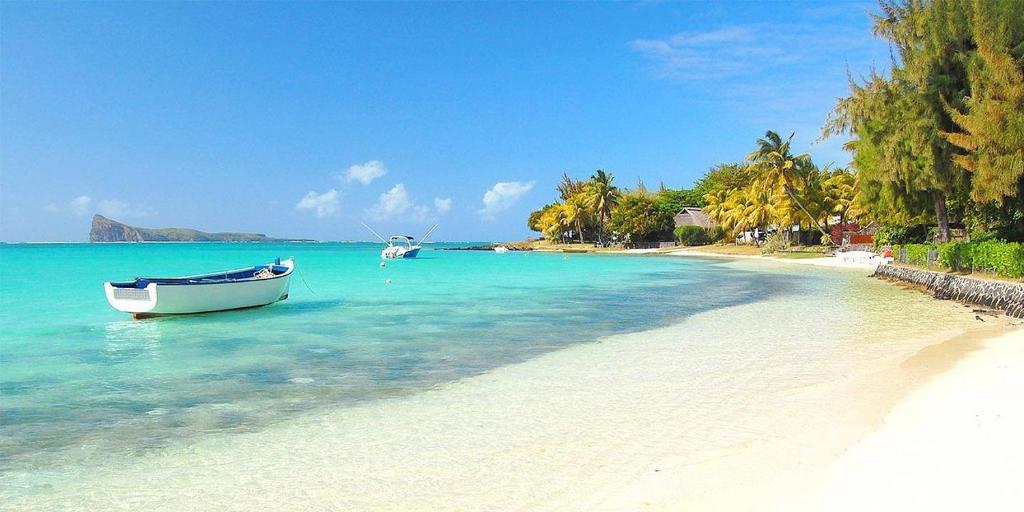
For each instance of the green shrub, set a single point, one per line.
(900, 235)
(1002, 258)
(774, 243)
(951, 255)
(692, 235)
(982, 235)
(916, 254)
(992, 256)
(716, 234)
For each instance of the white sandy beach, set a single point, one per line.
(824, 261)
(957, 443)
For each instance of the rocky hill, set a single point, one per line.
(107, 230)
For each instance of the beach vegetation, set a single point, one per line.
(601, 196)
(721, 177)
(938, 138)
(777, 190)
(569, 187)
(991, 256)
(692, 235)
(774, 243)
(638, 219)
(576, 213)
(898, 234)
(776, 172)
(674, 200)
(535, 221)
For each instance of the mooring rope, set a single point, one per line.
(303, 278)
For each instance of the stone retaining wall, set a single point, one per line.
(1004, 296)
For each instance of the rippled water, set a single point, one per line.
(81, 382)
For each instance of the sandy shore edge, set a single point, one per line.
(953, 441)
(824, 261)
(956, 443)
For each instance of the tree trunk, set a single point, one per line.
(807, 213)
(579, 229)
(941, 215)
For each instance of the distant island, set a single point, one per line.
(108, 230)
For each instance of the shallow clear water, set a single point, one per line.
(81, 382)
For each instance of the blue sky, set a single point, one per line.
(304, 119)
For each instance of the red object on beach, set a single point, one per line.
(887, 254)
(839, 229)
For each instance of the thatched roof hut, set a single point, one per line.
(693, 216)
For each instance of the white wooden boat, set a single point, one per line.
(400, 246)
(220, 291)
(500, 249)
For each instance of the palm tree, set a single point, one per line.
(739, 214)
(718, 207)
(601, 196)
(575, 212)
(553, 221)
(774, 166)
(839, 191)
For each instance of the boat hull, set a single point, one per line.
(169, 299)
(397, 252)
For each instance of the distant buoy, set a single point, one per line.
(387, 281)
(382, 264)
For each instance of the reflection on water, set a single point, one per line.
(129, 338)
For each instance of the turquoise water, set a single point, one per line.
(81, 382)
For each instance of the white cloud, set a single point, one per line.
(713, 54)
(397, 203)
(80, 205)
(84, 205)
(365, 173)
(757, 51)
(392, 203)
(51, 208)
(325, 204)
(121, 209)
(420, 212)
(112, 208)
(443, 205)
(502, 196)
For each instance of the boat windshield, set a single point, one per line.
(401, 238)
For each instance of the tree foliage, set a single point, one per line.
(601, 196)
(942, 131)
(638, 218)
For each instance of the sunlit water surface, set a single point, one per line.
(82, 384)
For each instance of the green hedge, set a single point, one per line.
(692, 235)
(696, 235)
(1001, 258)
(901, 235)
(917, 254)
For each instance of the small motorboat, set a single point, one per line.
(220, 291)
(500, 249)
(401, 246)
